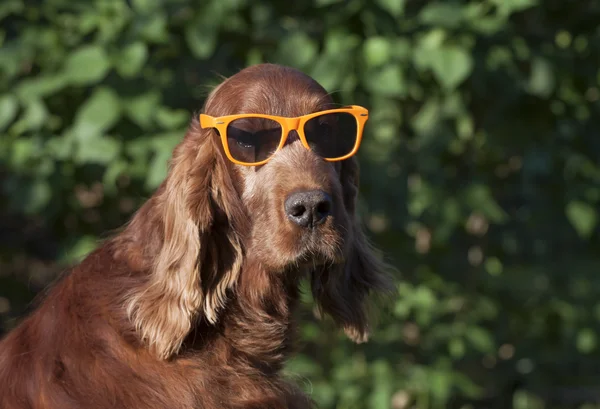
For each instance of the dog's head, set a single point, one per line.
(269, 180)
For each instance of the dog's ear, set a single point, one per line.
(200, 219)
(341, 291)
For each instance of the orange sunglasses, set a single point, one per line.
(253, 139)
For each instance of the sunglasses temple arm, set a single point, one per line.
(207, 121)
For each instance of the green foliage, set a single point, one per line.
(480, 170)
(583, 217)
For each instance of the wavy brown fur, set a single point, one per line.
(190, 306)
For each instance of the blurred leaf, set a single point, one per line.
(423, 297)
(349, 395)
(479, 197)
(22, 151)
(401, 50)
(97, 115)
(388, 81)
(88, 22)
(78, 249)
(38, 195)
(480, 339)
(467, 386)
(8, 7)
(425, 121)
(377, 51)
(526, 400)
(586, 340)
(541, 80)
(329, 69)
(493, 266)
(441, 385)
(451, 66)
(394, 7)
(456, 347)
(154, 28)
(59, 147)
(100, 149)
(297, 50)
(201, 37)
(427, 48)
(40, 86)
(301, 365)
(382, 385)
(171, 119)
(323, 3)
(143, 108)
(8, 110)
(512, 6)
(583, 217)
(202, 31)
(163, 147)
(465, 126)
(131, 59)
(87, 65)
(488, 25)
(33, 117)
(421, 197)
(325, 393)
(402, 309)
(310, 332)
(115, 169)
(145, 6)
(441, 14)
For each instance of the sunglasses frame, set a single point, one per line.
(287, 124)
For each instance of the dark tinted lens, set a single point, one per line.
(332, 135)
(253, 140)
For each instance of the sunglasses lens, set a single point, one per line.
(332, 135)
(253, 140)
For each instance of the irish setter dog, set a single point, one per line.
(190, 305)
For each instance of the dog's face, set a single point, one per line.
(300, 219)
(227, 229)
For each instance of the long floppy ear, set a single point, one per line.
(200, 218)
(342, 291)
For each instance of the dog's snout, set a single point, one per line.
(308, 208)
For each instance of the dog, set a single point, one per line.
(190, 305)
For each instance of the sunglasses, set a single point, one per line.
(253, 139)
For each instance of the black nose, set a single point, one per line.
(308, 208)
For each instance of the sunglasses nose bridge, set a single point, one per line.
(291, 127)
(291, 137)
(291, 124)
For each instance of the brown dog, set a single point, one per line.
(190, 306)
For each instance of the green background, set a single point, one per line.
(480, 182)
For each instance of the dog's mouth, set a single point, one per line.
(318, 249)
(316, 260)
